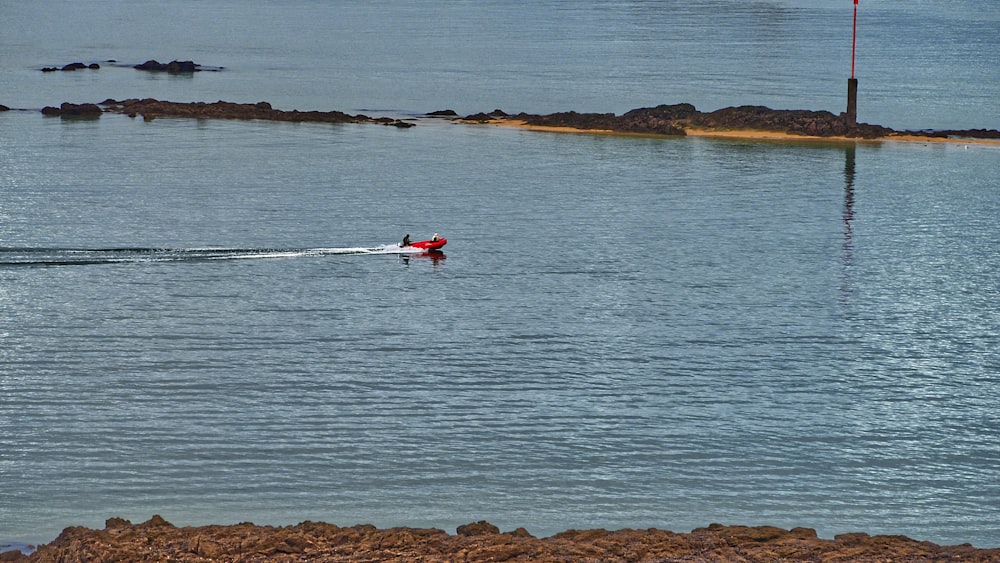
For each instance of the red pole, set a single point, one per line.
(854, 38)
(852, 82)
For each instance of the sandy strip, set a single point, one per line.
(778, 136)
(741, 134)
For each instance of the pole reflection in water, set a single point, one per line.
(847, 259)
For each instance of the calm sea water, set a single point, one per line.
(623, 332)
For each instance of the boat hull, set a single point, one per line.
(430, 245)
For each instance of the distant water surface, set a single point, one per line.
(920, 64)
(622, 332)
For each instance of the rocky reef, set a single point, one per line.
(159, 540)
(676, 119)
(667, 120)
(151, 109)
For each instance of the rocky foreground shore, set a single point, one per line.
(158, 540)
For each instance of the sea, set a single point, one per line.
(208, 320)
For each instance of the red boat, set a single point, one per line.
(430, 245)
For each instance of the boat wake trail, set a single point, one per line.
(12, 257)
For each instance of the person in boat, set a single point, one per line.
(406, 240)
(435, 238)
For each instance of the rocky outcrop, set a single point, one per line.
(67, 109)
(71, 67)
(151, 109)
(958, 133)
(4, 108)
(674, 119)
(796, 122)
(158, 540)
(662, 120)
(173, 67)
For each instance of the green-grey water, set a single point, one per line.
(622, 332)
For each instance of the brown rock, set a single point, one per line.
(156, 521)
(116, 523)
(480, 528)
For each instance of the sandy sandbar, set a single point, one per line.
(740, 134)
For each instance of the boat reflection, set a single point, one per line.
(435, 256)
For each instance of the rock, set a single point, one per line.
(521, 533)
(116, 523)
(181, 66)
(443, 113)
(206, 548)
(173, 67)
(71, 67)
(156, 521)
(67, 109)
(480, 528)
(4, 108)
(970, 133)
(478, 117)
(80, 109)
(656, 121)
